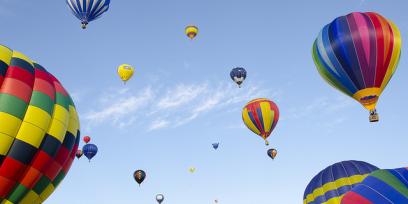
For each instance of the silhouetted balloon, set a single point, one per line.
(139, 176)
(159, 198)
(272, 153)
(215, 145)
(79, 153)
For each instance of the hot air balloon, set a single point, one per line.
(272, 153)
(139, 176)
(215, 145)
(125, 72)
(159, 198)
(358, 54)
(261, 116)
(329, 185)
(191, 31)
(87, 139)
(215, 201)
(79, 154)
(86, 10)
(238, 75)
(39, 130)
(386, 186)
(90, 151)
(192, 169)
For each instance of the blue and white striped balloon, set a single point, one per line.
(88, 10)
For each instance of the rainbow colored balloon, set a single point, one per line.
(39, 130)
(358, 54)
(382, 186)
(261, 116)
(329, 185)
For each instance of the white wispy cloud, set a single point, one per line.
(181, 95)
(158, 124)
(171, 106)
(119, 107)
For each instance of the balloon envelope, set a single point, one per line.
(39, 130)
(192, 169)
(79, 153)
(125, 72)
(272, 153)
(139, 176)
(191, 31)
(86, 11)
(329, 185)
(159, 198)
(358, 54)
(386, 186)
(90, 150)
(87, 139)
(238, 75)
(261, 116)
(215, 145)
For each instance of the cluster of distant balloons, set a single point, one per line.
(39, 126)
(89, 150)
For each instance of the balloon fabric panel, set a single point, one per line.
(358, 54)
(39, 130)
(329, 185)
(382, 186)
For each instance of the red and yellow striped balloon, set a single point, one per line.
(39, 130)
(261, 116)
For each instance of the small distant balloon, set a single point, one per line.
(90, 151)
(272, 153)
(159, 198)
(215, 145)
(86, 10)
(79, 154)
(139, 176)
(191, 31)
(238, 75)
(125, 72)
(192, 169)
(87, 139)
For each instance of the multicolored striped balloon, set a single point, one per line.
(261, 116)
(382, 186)
(329, 185)
(39, 130)
(358, 54)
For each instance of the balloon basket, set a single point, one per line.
(374, 116)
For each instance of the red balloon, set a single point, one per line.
(87, 139)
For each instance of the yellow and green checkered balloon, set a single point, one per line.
(39, 130)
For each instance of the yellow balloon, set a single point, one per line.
(192, 169)
(191, 31)
(125, 72)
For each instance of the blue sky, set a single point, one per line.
(181, 99)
